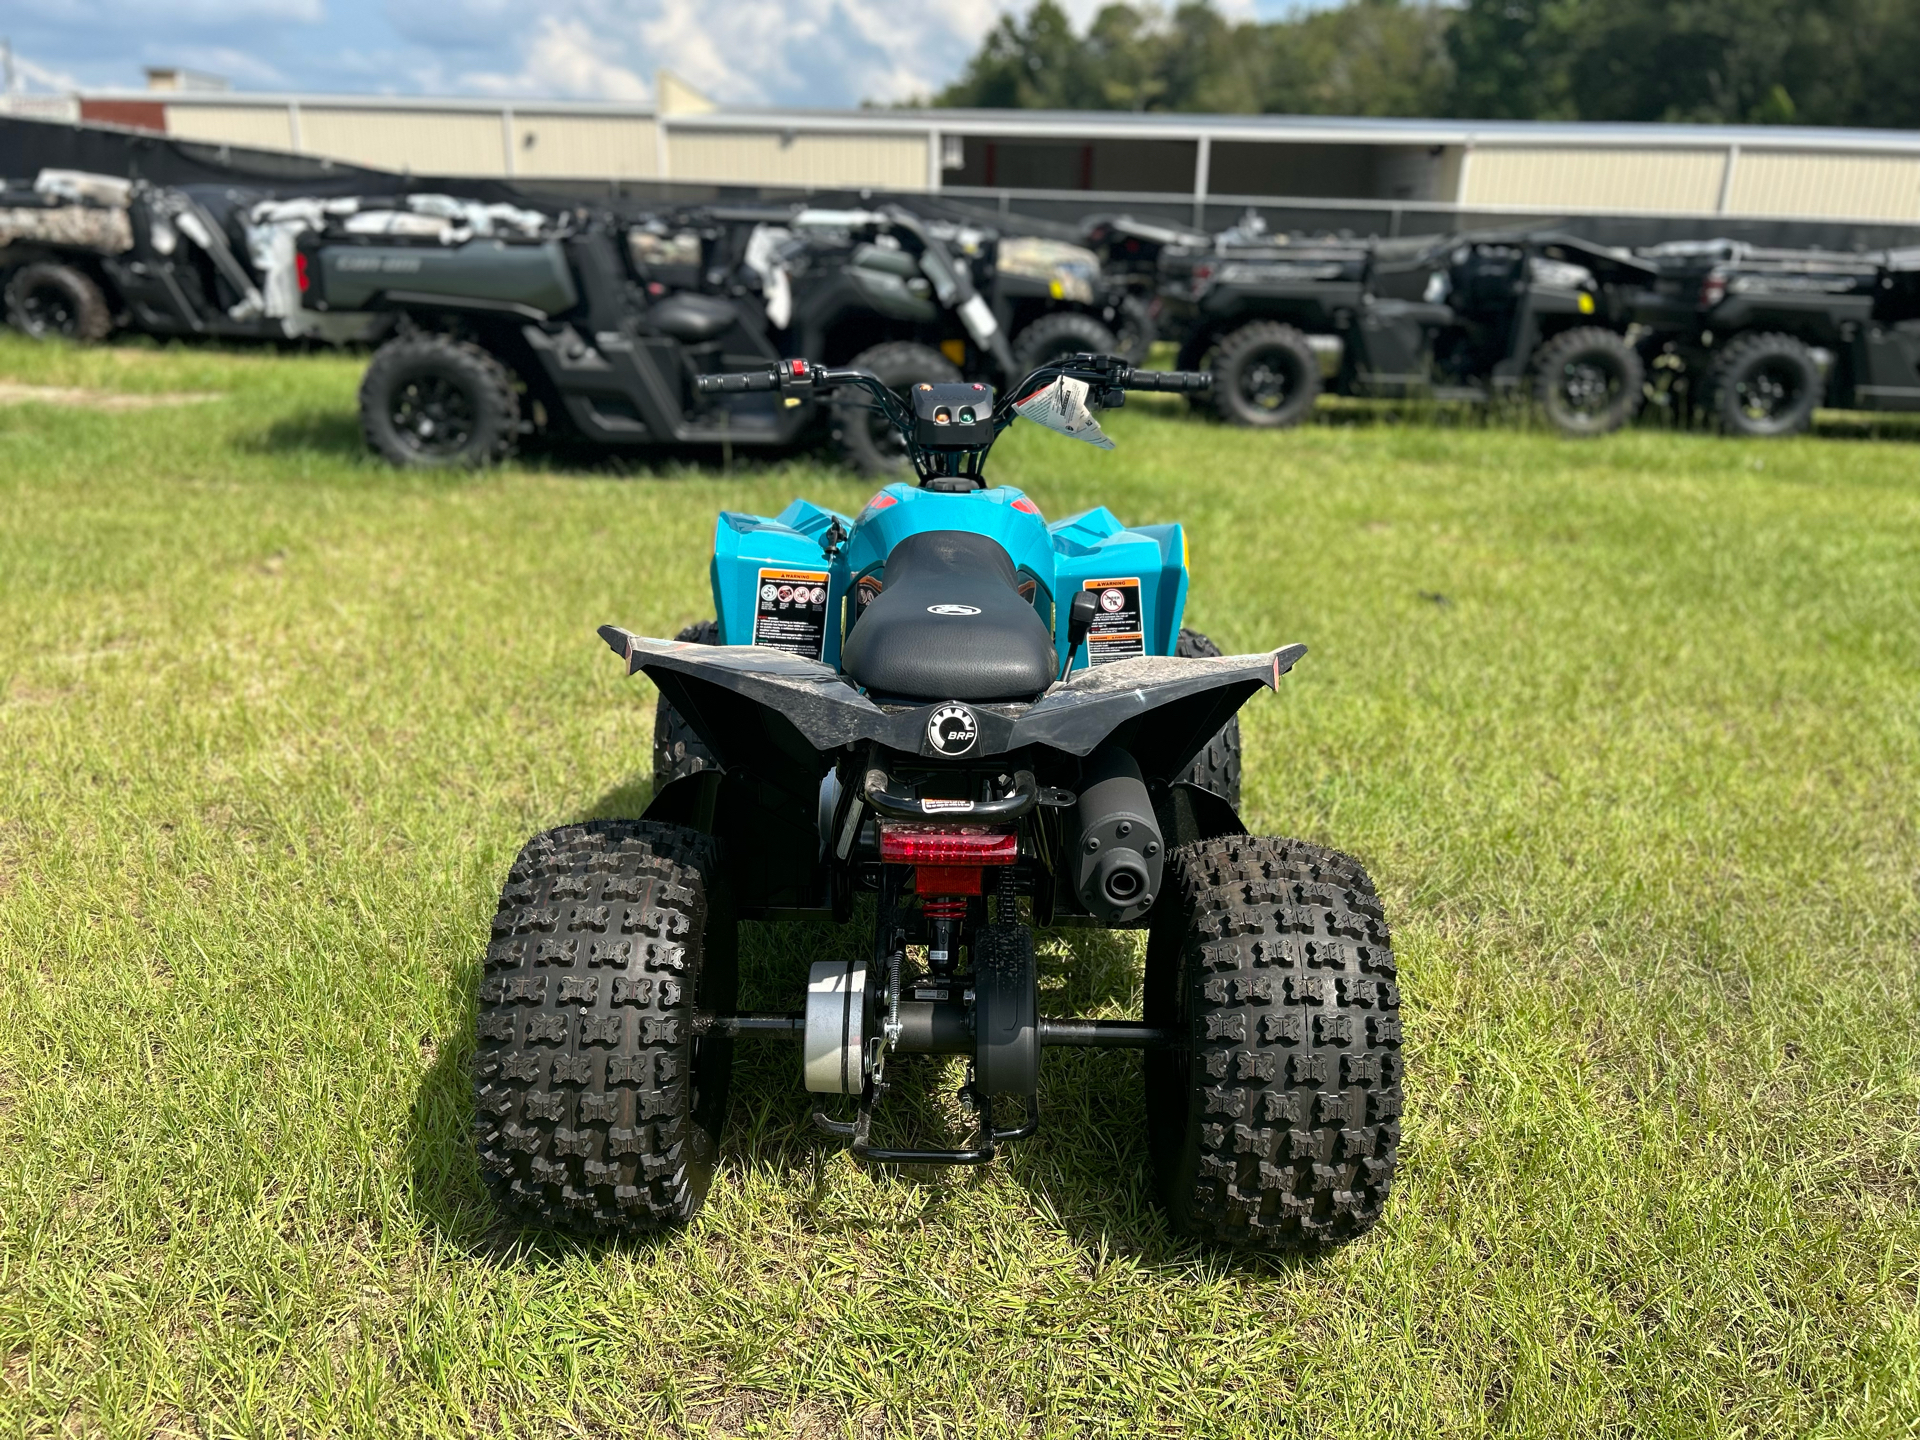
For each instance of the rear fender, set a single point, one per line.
(783, 716)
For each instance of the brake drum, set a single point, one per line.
(833, 1060)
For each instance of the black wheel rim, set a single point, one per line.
(48, 310)
(1588, 387)
(1769, 391)
(1268, 381)
(432, 415)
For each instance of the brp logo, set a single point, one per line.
(952, 730)
(953, 609)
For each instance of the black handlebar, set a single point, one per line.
(1179, 382)
(1101, 369)
(746, 380)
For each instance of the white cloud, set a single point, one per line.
(803, 53)
(564, 59)
(748, 52)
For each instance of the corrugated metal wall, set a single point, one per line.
(597, 147)
(1582, 178)
(267, 127)
(775, 157)
(1568, 176)
(426, 142)
(1802, 184)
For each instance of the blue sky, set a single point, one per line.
(748, 52)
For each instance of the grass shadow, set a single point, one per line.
(332, 433)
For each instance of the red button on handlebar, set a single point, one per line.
(798, 368)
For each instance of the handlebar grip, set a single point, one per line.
(1179, 382)
(736, 382)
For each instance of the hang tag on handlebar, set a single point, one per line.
(1062, 407)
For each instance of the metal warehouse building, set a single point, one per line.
(1380, 176)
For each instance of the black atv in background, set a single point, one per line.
(1056, 299)
(1754, 340)
(1476, 318)
(597, 330)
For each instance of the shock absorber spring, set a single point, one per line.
(945, 914)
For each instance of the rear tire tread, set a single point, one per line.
(1216, 768)
(585, 1115)
(1279, 1123)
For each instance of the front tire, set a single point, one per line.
(596, 1106)
(1065, 332)
(429, 401)
(1216, 768)
(1763, 386)
(1266, 375)
(1275, 1120)
(677, 750)
(49, 300)
(1589, 381)
(865, 440)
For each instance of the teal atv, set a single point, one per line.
(981, 725)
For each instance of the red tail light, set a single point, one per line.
(962, 846)
(300, 272)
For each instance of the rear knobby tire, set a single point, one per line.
(1589, 381)
(1216, 768)
(1763, 385)
(596, 1106)
(434, 402)
(1276, 1120)
(677, 751)
(46, 300)
(1065, 332)
(864, 439)
(1266, 375)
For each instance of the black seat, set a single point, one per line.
(950, 624)
(691, 318)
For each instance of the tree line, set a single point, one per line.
(1807, 62)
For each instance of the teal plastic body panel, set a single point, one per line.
(1089, 549)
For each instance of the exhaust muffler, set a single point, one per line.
(1116, 853)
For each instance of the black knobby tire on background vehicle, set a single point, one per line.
(1763, 385)
(1216, 768)
(432, 401)
(677, 751)
(1265, 374)
(1275, 1119)
(1134, 329)
(47, 299)
(1589, 381)
(597, 1107)
(865, 440)
(1065, 332)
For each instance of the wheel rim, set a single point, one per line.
(48, 310)
(1267, 381)
(1768, 391)
(432, 415)
(1588, 387)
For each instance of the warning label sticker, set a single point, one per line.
(1117, 633)
(791, 613)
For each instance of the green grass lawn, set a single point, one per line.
(1629, 732)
